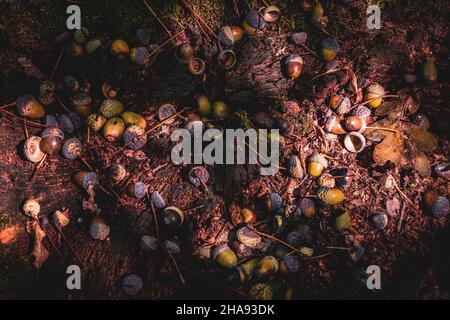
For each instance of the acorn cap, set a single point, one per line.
(375, 88)
(111, 108)
(308, 207)
(330, 44)
(140, 55)
(132, 284)
(380, 220)
(90, 179)
(330, 196)
(93, 45)
(134, 137)
(98, 229)
(319, 158)
(157, 200)
(31, 149)
(295, 167)
(294, 58)
(293, 238)
(138, 190)
(65, 123)
(327, 180)
(361, 111)
(255, 20)
(271, 13)
(261, 291)
(226, 59)
(173, 216)
(246, 269)
(28, 106)
(440, 207)
(354, 142)
(165, 111)
(55, 132)
(332, 124)
(72, 148)
(344, 107)
(226, 36)
(196, 66)
(50, 121)
(248, 237)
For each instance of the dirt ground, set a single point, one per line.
(412, 251)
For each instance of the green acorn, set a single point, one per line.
(317, 164)
(111, 108)
(343, 221)
(113, 129)
(331, 196)
(133, 119)
(267, 266)
(96, 121)
(204, 106)
(92, 46)
(224, 256)
(220, 109)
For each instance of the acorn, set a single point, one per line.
(278, 224)
(224, 256)
(379, 220)
(253, 21)
(261, 291)
(267, 266)
(335, 101)
(172, 247)
(354, 123)
(110, 90)
(333, 125)
(330, 196)
(343, 221)
(198, 176)
(248, 237)
(248, 215)
(204, 106)
(327, 180)
(96, 121)
(51, 141)
(65, 124)
(31, 208)
(429, 71)
(173, 216)
(111, 108)
(137, 189)
(149, 243)
(85, 179)
(47, 91)
(140, 55)
(317, 10)
(92, 45)
(308, 208)
(133, 119)
(82, 102)
(292, 213)
(354, 142)
(295, 167)
(113, 129)
(422, 121)
(272, 201)
(271, 14)
(317, 164)
(74, 49)
(343, 176)
(344, 106)
(229, 35)
(28, 106)
(330, 47)
(226, 59)
(241, 251)
(443, 170)
(157, 200)
(289, 264)
(132, 284)
(72, 149)
(196, 66)
(437, 205)
(134, 137)
(165, 111)
(363, 112)
(184, 53)
(294, 65)
(61, 218)
(120, 49)
(31, 149)
(376, 92)
(117, 172)
(50, 121)
(81, 35)
(71, 84)
(244, 272)
(98, 229)
(76, 120)
(220, 109)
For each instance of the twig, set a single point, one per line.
(164, 43)
(57, 63)
(36, 168)
(381, 128)
(193, 209)
(8, 105)
(31, 123)
(406, 197)
(157, 18)
(25, 130)
(199, 18)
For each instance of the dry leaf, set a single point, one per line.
(391, 109)
(390, 149)
(39, 252)
(420, 138)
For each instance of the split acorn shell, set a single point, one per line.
(31, 149)
(120, 49)
(113, 129)
(354, 142)
(98, 229)
(173, 216)
(109, 90)
(261, 291)
(28, 106)
(111, 108)
(96, 121)
(317, 164)
(229, 35)
(330, 196)
(267, 266)
(72, 148)
(224, 256)
(294, 65)
(374, 91)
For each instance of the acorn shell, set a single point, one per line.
(330, 196)
(117, 172)
(224, 256)
(113, 129)
(31, 208)
(184, 53)
(140, 55)
(47, 92)
(72, 149)
(333, 125)
(354, 142)
(308, 208)
(165, 111)
(261, 291)
(204, 106)
(98, 229)
(354, 123)
(196, 66)
(96, 121)
(134, 137)
(226, 59)
(229, 35)
(132, 284)
(271, 14)
(28, 106)
(92, 46)
(111, 108)
(267, 266)
(374, 91)
(120, 48)
(65, 124)
(248, 237)
(344, 107)
(157, 200)
(31, 149)
(295, 167)
(173, 216)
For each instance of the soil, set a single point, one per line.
(411, 251)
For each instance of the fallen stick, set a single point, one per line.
(57, 63)
(157, 18)
(31, 123)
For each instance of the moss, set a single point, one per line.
(244, 119)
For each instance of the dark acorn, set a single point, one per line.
(82, 102)
(184, 53)
(165, 111)
(65, 123)
(294, 65)
(72, 148)
(226, 59)
(173, 216)
(229, 35)
(134, 137)
(28, 106)
(196, 66)
(71, 84)
(52, 139)
(137, 190)
(343, 176)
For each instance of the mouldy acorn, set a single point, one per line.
(343, 221)
(344, 107)
(92, 46)
(229, 35)
(98, 229)
(354, 142)
(173, 216)
(220, 109)
(120, 48)
(133, 119)
(330, 196)
(224, 256)
(327, 180)
(165, 111)
(85, 179)
(137, 190)
(140, 55)
(429, 71)
(261, 291)
(72, 148)
(134, 137)
(333, 125)
(65, 124)
(113, 129)
(51, 141)
(196, 66)
(374, 94)
(47, 91)
(267, 266)
(132, 284)
(248, 237)
(226, 59)
(380, 220)
(117, 172)
(31, 208)
(204, 106)
(271, 13)
(354, 123)
(96, 121)
(330, 47)
(82, 102)
(253, 21)
(111, 108)
(289, 264)
(272, 201)
(317, 164)
(184, 53)
(295, 167)
(294, 65)
(157, 200)
(308, 208)
(443, 170)
(28, 106)
(31, 149)
(81, 35)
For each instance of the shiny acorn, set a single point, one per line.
(72, 149)
(98, 229)
(327, 180)
(253, 21)
(333, 125)
(317, 164)
(96, 121)
(117, 172)
(113, 129)
(47, 93)
(111, 108)
(330, 196)
(330, 48)
(226, 59)
(51, 141)
(203, 105)
(165, 111)
(31, 208)
(85, 179)
(28, 106)
(140, 55)
(354, 123)
(184, 53)
(443, 170)
(173, 216)
(65, 124)
(335, 101)
(82, 103)
(374, 94)
(220, 109)
(137, 190)
(271, 14)
(261, 291)
(295, 167)
(308, 208)
(429, 71)
(134, 137)
(437, 205)
(196, 66)
(31, 149)
(248, 237)
(272, 201)
(229, 35)
(120, 49)
(294, 65)
(267, 266)
(354, 142)
(224, 256)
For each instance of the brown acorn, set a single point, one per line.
(113, 129)
(28, 106)
(294, 65)
(354, 123)
(51, 142)
(333, 125)
(229, 35)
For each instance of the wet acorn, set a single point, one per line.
(120, 49)
(72, 149)
(204, 106)
(28, 106)
(437, 205)
(82, 102)
(380, 220)
(295, 167)
(271, 14)
(278, 224)
(308, 208)
(248, 215)
(173, 216)
(92, 46)
(117, 173)
(267, 266)
(51, 141)
(137, 189)
(363, 112)
(317, 164)
(196, 66)
(429, 71)
(333, 125)
(327, 180)
(294, 65)
(96, 121)
(229, 35)
(330, 196)
(81, 35)
(111, 108)
(443, 170)
(272, 201)
(422, 121)
(289, 264)
(98, 229)
(134, 137)
(31, 208)
(220, 109)
(184, 53)
(133, 119)
(226, 59)
(165, 111)
(85, 179)
(330, 48)
(157, 200)
(354, 142)
(376, 92)
(354, 123)
(140, 55)
(47, 93)
(31, 149)
(344, 106)
(253, 21)
(65, 124)
(224, 256)
(261, 291)
(343, 221)
(113, 129)
(132, 284)
(343, 176)
(248, 237)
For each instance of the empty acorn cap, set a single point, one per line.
(380, 220)
(173, 216)
(132, 284)
(248, 237)
(28, 106)
(354, 142)
(31, 149)
(47, 91)
(271, 13)
(196, 66)
(72, 148)
(261, 291)
(98, 229)
(31, 208)
(327, 180)
(225, 256)
(226, 59)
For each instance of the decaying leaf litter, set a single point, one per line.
(302, 113)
